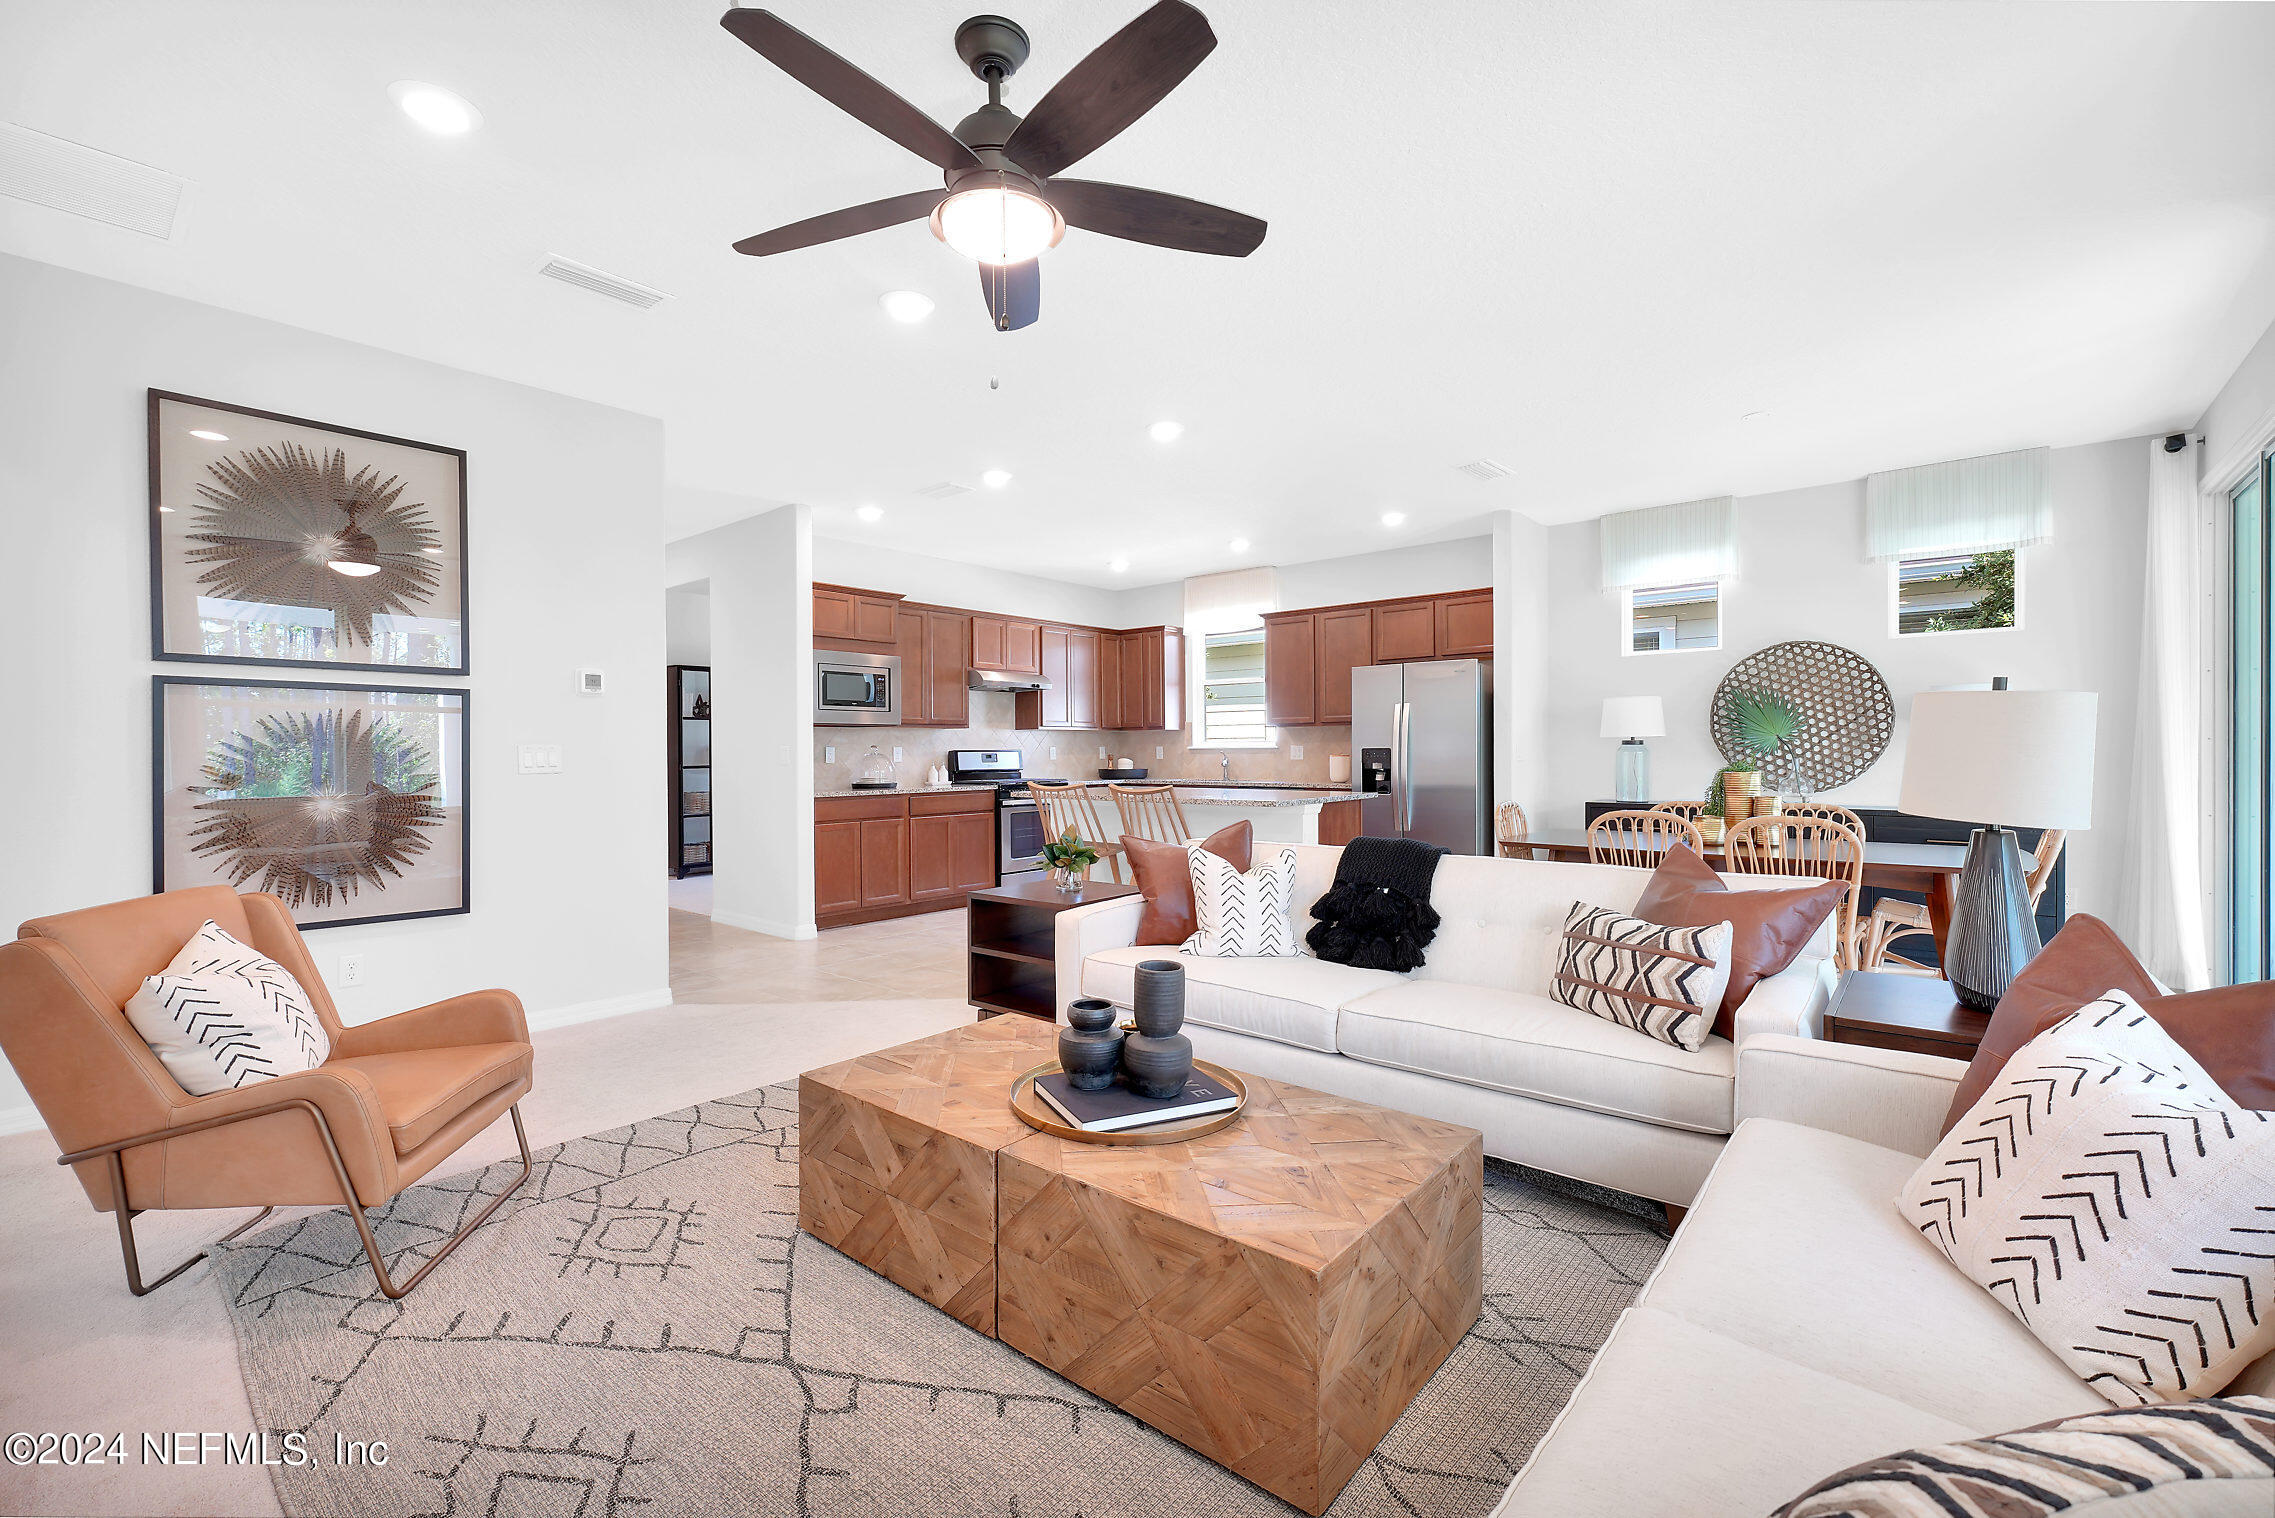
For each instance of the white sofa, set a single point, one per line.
(1799, 1325)
(1472, 1036)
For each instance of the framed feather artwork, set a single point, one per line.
(347, 802)
(281, 541)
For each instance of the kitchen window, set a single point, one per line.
(1665, 619)
(1957, 592)
(1232, 691)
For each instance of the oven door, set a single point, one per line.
(856, 690)
(1019, 838)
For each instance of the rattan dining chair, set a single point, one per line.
(1510, 830)
(1795, 844)
(1893, 917)
(1689, 810)
(1639, 838)
(1060, 807)
(1150, 811)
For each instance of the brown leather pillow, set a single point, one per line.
(1162, 871)
(1768, 928)
(2230, 1031)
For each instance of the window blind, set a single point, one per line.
(2001, 500)
(1670, 545)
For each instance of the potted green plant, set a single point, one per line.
(1068, 859)
(1765, 722)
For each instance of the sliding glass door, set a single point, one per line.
(2251, 917)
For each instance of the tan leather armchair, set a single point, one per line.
(396, 1097)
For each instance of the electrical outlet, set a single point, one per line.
(1101, 750)
(896, 753)
(1054, 751)
(829, 753)
(1157, 751)
(351, 970)
(541, 758)
(1295, 751)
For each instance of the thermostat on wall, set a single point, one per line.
(592, 682)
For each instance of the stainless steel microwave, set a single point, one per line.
(856, 690)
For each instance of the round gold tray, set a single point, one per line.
(1039, 1114)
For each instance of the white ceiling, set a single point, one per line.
(1577, 238)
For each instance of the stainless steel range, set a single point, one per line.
(1018, 831)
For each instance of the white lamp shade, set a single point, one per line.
(2018, 758)
(1633, 717)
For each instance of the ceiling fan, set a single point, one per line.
(1000, 202)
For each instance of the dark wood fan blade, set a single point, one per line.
(850, 222)
(1124, 77)
(847, 88)
(1166, 221)
(1014, 294)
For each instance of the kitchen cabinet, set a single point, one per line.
(1291, 669)
(1309, 655)
(893, 855)
(859, 617)
(1047, 707)
(1153, 679)
(1345, 643)
(884, 861)
(1465, 626)
(1405, 631)
(1110, 649)
(934, 651)
(1081, 679)
(951, 846)
(1007, 644)
(1146, 668)
(837, 868)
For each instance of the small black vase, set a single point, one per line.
(1090, 1046)
(1157, 1067)
(1158, 1001)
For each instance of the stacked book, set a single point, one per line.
(1118, 1107)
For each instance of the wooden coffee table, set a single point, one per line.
(1272, 1295)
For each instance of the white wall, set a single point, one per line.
(687, 624)
(1420, 569)
(760, 571)
(974, 587)
(1802, 574)
(568, 902)
(1521, 668)
(2243, 408)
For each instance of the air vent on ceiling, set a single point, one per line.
(1483, 469)
(944, 490)
(585, 277)
(68, 176)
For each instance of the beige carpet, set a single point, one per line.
(644, 1331)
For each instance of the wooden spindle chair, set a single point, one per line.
(1150, 811)
(1795, 844)
(1639, 838)
(1060, 807)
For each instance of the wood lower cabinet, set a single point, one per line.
(893, 856)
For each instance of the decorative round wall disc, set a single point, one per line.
(1846, 714)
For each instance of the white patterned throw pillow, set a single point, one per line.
(1241, 916)
(1666, 982)
(223, 1015)
(2110, 1195)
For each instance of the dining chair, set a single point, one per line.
(1060, 807)
(1829, 812)
(1639, 838)
(1150, 811)
(1691, 810)
(1510, 830)
(1792, 843)
(1893, 917)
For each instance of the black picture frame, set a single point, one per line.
(158, 651)
(158, 792)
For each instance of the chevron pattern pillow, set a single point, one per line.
(1667, 982)
(223, 1015)
(1241, 915)
(2110, 1195)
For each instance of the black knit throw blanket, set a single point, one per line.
(1377, 915)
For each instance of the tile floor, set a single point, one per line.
(901, 959)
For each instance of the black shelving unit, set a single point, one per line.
(687, 740)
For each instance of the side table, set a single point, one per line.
(1011, 944)
(1917, 1013)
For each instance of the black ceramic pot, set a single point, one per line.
(1158, 1002)
(1157, 1067)
(1090, 1046)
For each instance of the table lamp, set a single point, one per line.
(2002, 759)
(1633, 718)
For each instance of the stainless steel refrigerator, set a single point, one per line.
(1422, 741)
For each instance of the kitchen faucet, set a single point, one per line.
(1226, 761)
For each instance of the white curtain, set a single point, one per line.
(1230, 601)
(2002, 500)
(1670, 545)
(2160, 902)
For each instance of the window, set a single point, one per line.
(1666, 618)
(2251, 904)
(1232, 691)
(1961, 592)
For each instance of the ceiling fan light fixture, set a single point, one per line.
(995, 224)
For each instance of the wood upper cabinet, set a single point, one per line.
(843, 615)
(947, 662)
(1052, 706)
(1465, 626)
(1153, 679)
(1346, 642)
(1007, 644)
(916, 690)
(1405, 631)
(1082, 665)
(987, 643)
(1291, 669)
(1110, 681)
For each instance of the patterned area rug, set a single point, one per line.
(643, 1331)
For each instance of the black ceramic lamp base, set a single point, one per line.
(1993, 931)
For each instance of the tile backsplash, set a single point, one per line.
(992, 718)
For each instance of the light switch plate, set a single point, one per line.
(896, 753)
(1295, 751)
(541, 758)
(1054, 751)
(1157, 751)
(829, 753)
(592, 682)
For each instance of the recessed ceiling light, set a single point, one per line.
(209, 434)
(1118, 565)
(906, 305)
(1238, 545)
(439, 110)
(870, 513)
(1753, 416)
(1394, 519)
(1166, 432)
(995, 479)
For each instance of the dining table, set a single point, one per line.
(1930, 870)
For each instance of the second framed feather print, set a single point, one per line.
(281, 541)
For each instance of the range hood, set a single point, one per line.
(999, 679)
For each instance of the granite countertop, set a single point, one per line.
(902, 790)
(1246, 796)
